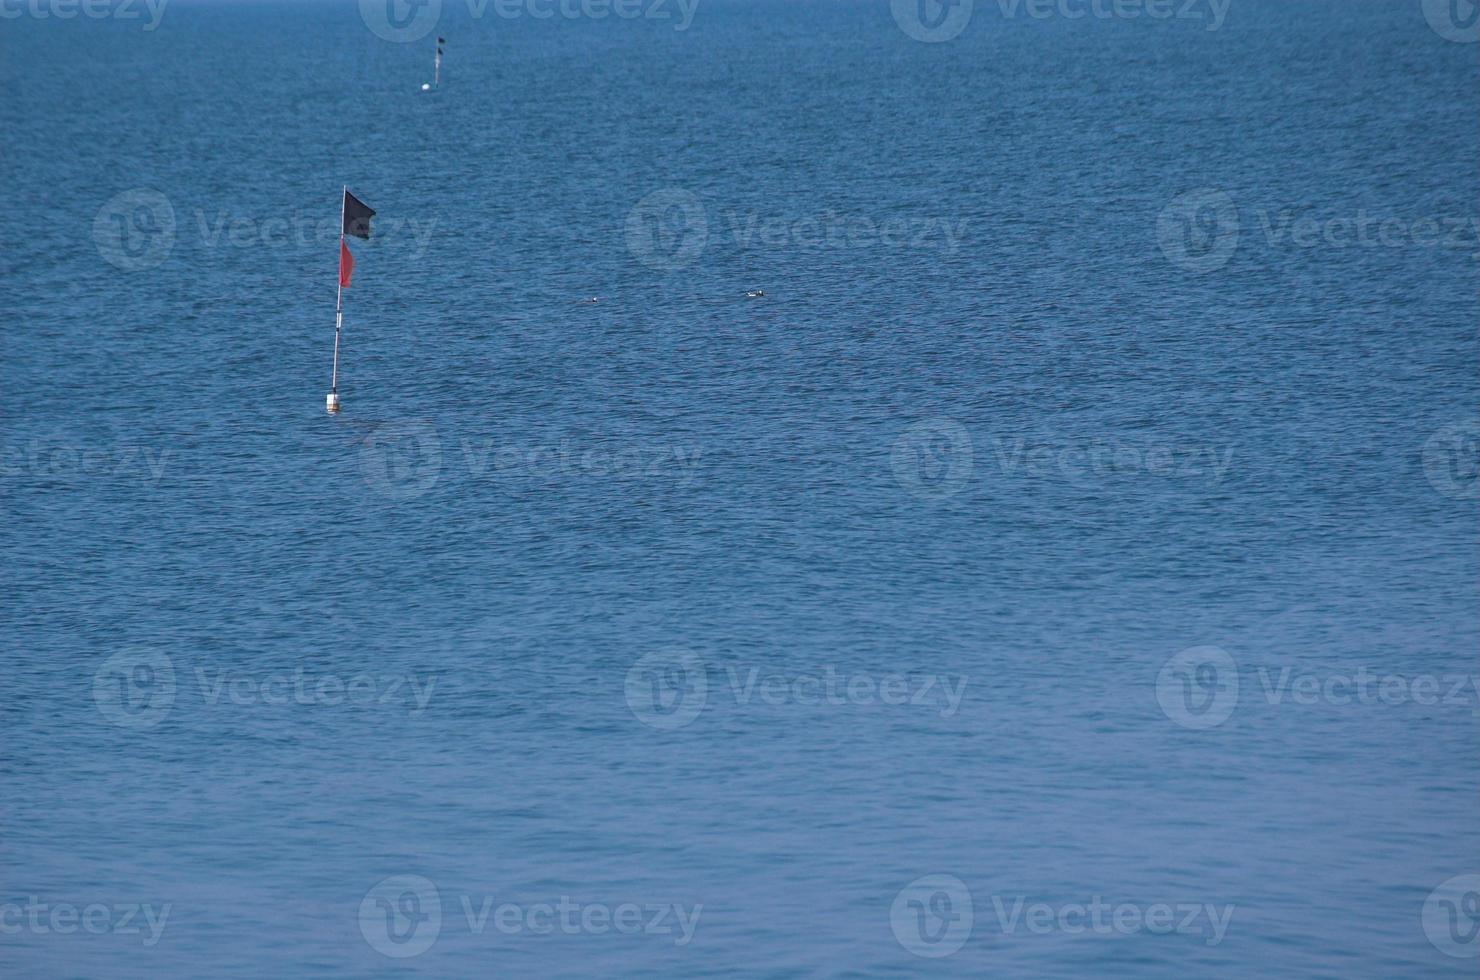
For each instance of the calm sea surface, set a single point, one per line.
(1066, 568)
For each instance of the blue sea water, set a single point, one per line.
(1066, 568)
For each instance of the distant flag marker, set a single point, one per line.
(436, 68)
(354, 220)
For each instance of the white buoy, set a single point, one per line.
(332, 403)
(425, 87)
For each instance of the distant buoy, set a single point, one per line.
(755, 294)
(425, 87)
(332, 404)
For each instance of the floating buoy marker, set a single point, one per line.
(332, 402)
(436, 68)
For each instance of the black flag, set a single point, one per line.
(356, 216)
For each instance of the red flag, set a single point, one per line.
(346, 264)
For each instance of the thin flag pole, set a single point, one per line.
(333, 403)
